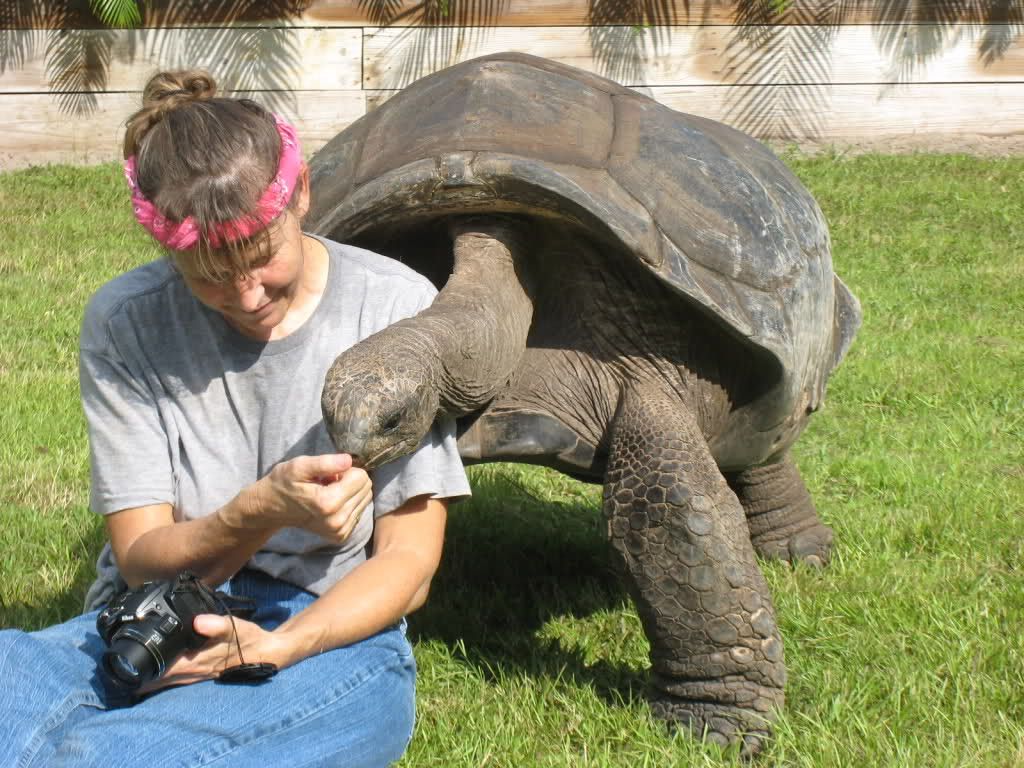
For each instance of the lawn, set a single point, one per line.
(908, 650)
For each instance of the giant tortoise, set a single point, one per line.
(631, 295)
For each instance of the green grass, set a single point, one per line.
(907, 651)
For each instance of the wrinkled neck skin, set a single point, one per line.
(382, 395)
(476, 329)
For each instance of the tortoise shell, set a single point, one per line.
(709, 210)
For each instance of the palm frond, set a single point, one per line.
(116, 13)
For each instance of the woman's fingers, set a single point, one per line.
(357, 506)
(311, 469)
(301, 491)
(323, 494)
(336, 495)
(218, 653)
(349, 498)
(213, 626)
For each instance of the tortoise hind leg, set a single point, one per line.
(781, 515)
(683, 545)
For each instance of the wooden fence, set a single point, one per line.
(882, 74)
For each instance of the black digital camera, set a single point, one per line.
(147, 628)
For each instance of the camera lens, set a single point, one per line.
(123, 669)
(129, 663)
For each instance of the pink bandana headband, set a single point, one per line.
(182, 235)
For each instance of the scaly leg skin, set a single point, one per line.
(781, 516)
(683, 545)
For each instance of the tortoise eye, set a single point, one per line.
(392, 422)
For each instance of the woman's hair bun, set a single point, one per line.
(168, 90)
(165, 92)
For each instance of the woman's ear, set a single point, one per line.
(302, 190)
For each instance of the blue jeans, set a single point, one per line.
(350, 707)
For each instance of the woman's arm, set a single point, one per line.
(394, 581)
(148, 544)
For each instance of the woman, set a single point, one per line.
(200, 378)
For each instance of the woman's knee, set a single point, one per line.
(51, 685)
(370, 719)
(398, 710)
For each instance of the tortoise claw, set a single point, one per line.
(728, 727)
(811, 546)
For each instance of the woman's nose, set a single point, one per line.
(250, 293)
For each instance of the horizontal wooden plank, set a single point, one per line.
(849, 113)
(711, 55)
(240, 59)
(38, 130)
(75, 14)
(953, 117)
(950, 117)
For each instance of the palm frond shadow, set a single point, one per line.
(627, 34)
(782, 52)
(782, 62)
(624, 35)
(508, 571)
(17, 46)
(267, 67)
(438, 34)
(77, 62)
(21, 33)
(262, 59)
(943, 24)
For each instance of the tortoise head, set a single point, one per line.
(378, 404)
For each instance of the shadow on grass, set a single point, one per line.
(512, 563)
(59, 605)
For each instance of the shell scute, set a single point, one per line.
(481, 106)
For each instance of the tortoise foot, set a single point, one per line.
(781, 517)
(811, 546)
(721, 724)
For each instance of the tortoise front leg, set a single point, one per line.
(682, 542)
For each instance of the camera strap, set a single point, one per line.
(243, 672)
(236, 605)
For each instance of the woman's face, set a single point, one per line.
(257, 304)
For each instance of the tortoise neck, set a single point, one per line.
(479, 322)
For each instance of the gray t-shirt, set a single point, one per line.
(185, 410)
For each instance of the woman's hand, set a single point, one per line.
(326, 495)
(221, 651)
